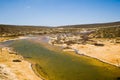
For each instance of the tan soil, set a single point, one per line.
(109, 53)
(5, 38)
(15, 70)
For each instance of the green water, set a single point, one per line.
(58, 66)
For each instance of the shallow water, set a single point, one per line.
(63, 66)
(6, 43)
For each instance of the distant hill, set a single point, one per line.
(102, 30)
(110, 24)
(16, 30)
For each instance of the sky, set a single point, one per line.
(58, 12)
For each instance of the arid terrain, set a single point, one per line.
(100, 41)
(109, 53)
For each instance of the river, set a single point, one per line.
(53, 64)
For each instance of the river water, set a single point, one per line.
(58, 65)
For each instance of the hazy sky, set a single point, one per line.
(58, 12)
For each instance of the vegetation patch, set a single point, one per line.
(17, 60)
(98, 44)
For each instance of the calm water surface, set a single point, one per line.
(63, 66)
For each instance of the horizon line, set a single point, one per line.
(58, 25)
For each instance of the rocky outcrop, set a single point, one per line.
(6, 73)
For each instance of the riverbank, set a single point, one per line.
(108, 53)
(105, 50)
(4, 39)
(14, 67)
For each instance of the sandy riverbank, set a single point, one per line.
(103, 49)
(13, 70)
(3, 39)
(109, 53)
